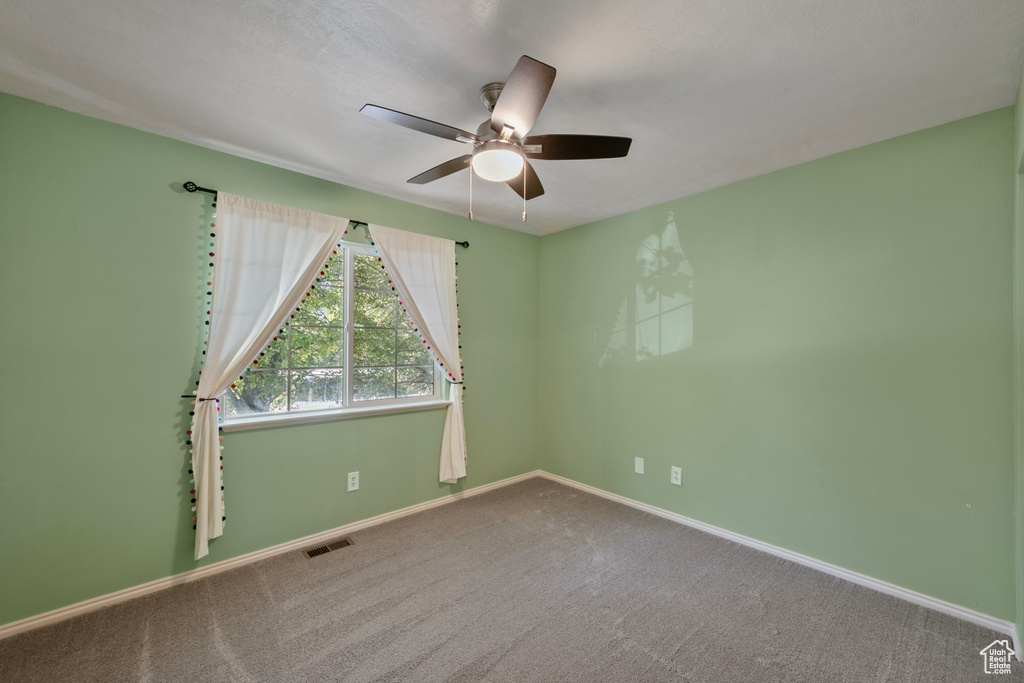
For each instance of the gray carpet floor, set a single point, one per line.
(531, 582)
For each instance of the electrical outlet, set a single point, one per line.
(677, 476)
(353, 481)
(638, 465)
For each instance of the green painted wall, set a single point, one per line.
(1019, 111)
(100, 272)
(841, 383)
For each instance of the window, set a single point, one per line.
(347, 346)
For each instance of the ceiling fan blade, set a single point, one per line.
(578, 146)
(523, 96)
(441, 170)
(533, 186)
(416, 123)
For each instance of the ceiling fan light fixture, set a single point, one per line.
(497, 160)
(502, 144)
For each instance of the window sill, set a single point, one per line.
(260, 421)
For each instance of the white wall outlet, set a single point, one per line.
(353, 481)
(638, 465)
(677, 476)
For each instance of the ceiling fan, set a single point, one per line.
(500, 145)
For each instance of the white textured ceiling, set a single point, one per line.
(711, 91)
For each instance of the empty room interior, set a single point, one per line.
(491, 341)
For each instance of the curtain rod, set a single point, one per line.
(192, 187)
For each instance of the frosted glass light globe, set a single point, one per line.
(497, 160)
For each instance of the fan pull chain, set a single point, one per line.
(471, 191)
(524, 193)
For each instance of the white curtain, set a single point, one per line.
(422, 269)
(266, 257)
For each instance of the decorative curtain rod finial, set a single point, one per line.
(192, 187)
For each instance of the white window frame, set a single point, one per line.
(350, 408)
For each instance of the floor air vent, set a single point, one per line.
(324, 549)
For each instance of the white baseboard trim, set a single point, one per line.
(92, 604)
(952, 609)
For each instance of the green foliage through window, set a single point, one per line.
(304, 366)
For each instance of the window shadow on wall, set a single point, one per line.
(656, 319)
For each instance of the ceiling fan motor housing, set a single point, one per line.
(484, 132)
